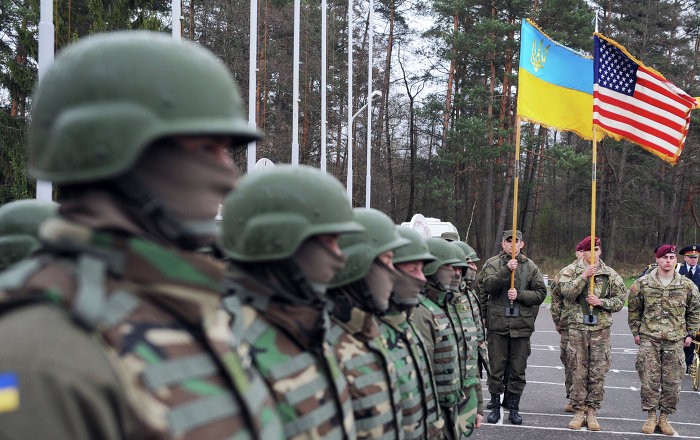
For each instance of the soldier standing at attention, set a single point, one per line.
(691, 270)
(560, 316)
(510, 319)
(664, 314)
(280, 232)
(422, 417)
(460, 413)
(360, 294)
(114, 329)
(589, 321)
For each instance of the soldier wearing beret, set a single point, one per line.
(690, 269)
(589, 318)
(664, 311)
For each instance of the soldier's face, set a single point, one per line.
(507, 245)
(691, 260)
(386, 257)
(217, 147)
(667, 263)
(413, 269)
(586, 255)
(330, 241)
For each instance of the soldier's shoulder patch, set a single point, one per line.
(9, 392)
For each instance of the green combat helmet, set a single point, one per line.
(272, 212)
(468, 250)
(19, 227)
(444, 254)
(459, 254)
(98, 107)
(380, 235)
(416, 250)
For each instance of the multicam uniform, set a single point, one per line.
(588, 349)
(662, 316)
(289, 349)
(473, 303)
(371, 375)
(560, 312)
(421, 413)
(149, 348)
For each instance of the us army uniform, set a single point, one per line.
(115, 329)
(588, 349)
(561, 312)
(662, 316)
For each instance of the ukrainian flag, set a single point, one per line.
(555, 84)
(9, 392)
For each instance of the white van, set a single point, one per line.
(430, 226)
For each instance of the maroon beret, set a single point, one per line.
(664, 249)
(585, 244)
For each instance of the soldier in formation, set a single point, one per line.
(664, 314)
(589, 318)
(510, 314)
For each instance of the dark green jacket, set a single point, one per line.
(494, 282)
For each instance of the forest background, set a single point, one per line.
(442, 130)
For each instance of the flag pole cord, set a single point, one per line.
(516, 173)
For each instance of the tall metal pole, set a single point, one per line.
(368, 179)
(252, 80)
(46, 43)
(177, 13)
(295, 94)
(349, 155)
(324, 13)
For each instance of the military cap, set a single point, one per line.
(585, 244)
(508, 233)
(690, 250)
(450, 236)
(664, 249)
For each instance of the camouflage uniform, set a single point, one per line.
(150, 351)
(588, 350)
(371, 375)
(421, 413)
(475, 309)
(560, 316)
(289, 349)
(662, 316)
(434, 326)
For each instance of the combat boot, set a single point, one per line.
(514, 407)
(569, 408)
(650, 424)
(591, 421)
(506, 400)
(495, 401)
(578, 420)
(664, 425)
(495, 414)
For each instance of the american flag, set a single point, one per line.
(635, 102)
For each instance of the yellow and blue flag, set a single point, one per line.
(9, 392)
(555, 84)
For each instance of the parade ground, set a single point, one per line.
(621, 416)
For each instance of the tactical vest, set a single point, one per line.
(445, 358)
(411, 386)
(205, 391)
(373, 384)
(311, 393)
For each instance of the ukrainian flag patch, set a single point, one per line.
(9, 391)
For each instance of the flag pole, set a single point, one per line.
(511, 311)
(594, 162)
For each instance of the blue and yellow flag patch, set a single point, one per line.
(9, 391)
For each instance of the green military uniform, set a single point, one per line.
(588, 349)
(19, 228)
(662, 315)
(509, 336)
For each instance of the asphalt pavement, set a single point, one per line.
(620, 416)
